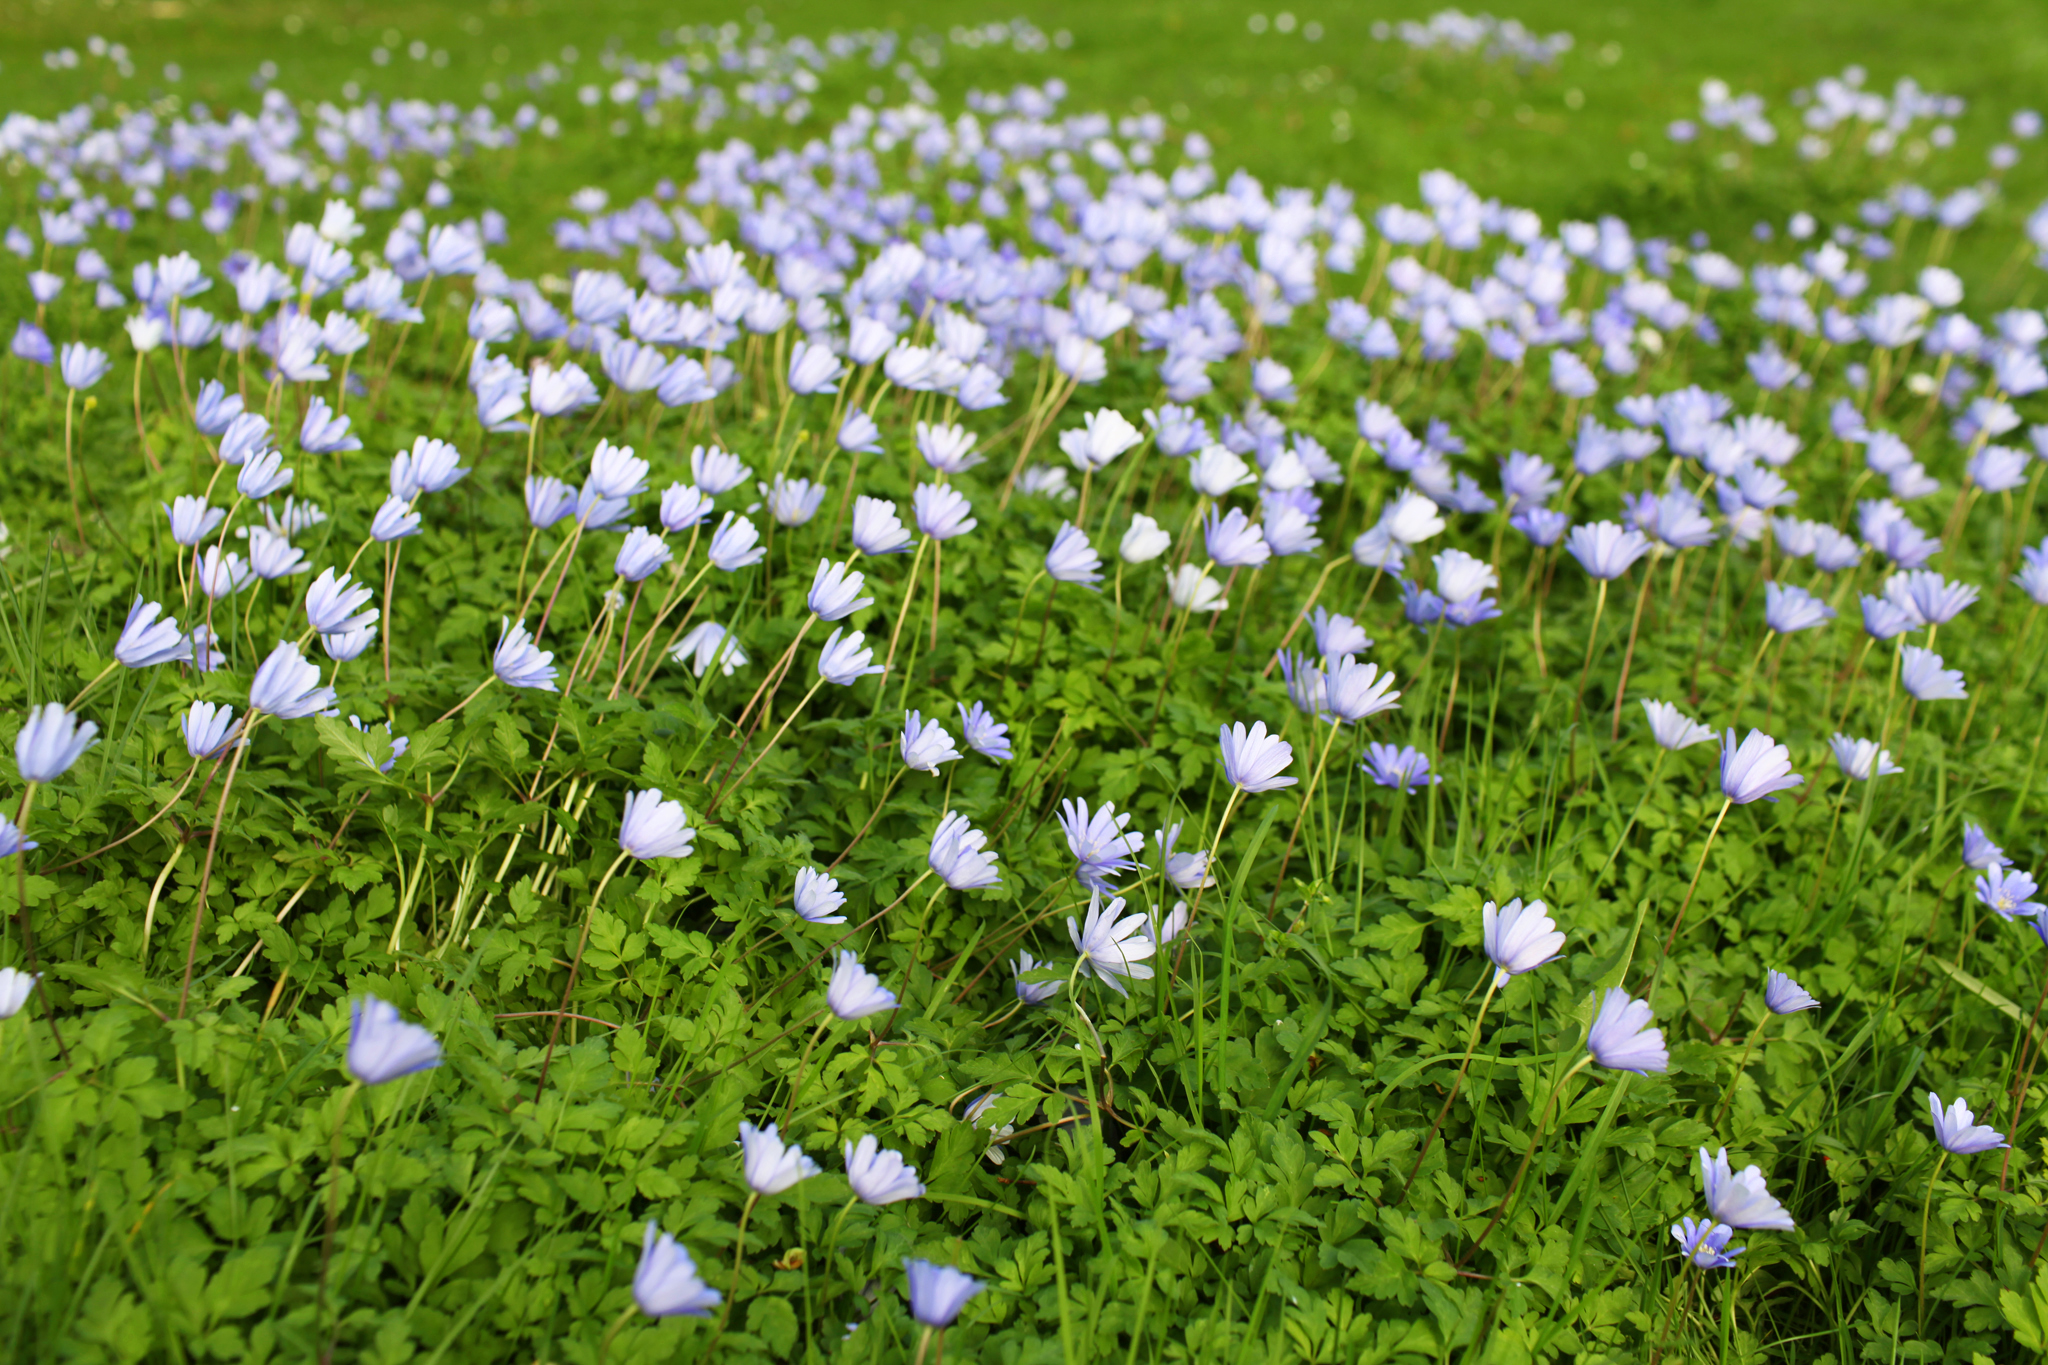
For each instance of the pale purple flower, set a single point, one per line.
(1705, 1243)
(1404, 768)
(1957, 1129)
(925, 744)
(666, 1283)
(1921, 674)
(938, 1292)
(1071, 559)
(1100, 847)
(984, 734)
(818, 897)
(1857, 758)
(835, 591)
(1738, 1198)
(854, 992)
(771, 1166)
(1604, 550)
(150, 638)
(1672, 728)
(1783, 995)
(287, 685)
(1621, 1038)
(959, 855)
(1978, 850)
(2009, 892)
(1113, 946)
(1519, 938)
(50, 741)
(1757, 768)
(650, 827)
(880, 1176)
(1253, 760)
(843, 662)
(382, 1046)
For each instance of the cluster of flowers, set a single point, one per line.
(1452, 30)
(835, 292)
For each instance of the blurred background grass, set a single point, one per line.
(1583, 137)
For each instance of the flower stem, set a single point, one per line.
(739, 1253)
(575, 966)
(1471, 1042)
(1694, 885)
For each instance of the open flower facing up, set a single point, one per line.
(1100, 847)
(1519, 938)
(2009, 892)
(770, 1166)
(1756, 769)
(1112, 945)
(1783, 995)
(653, 828)
(382, 1046)
(1253, 760)
(1738, 1198)
(1957, 1129)
(667, 1284)
(938, 1292)
(1705, 1243)
(958, 854)
(855, 992)
(1622, 1039)
(879, 1176)
(925, 744)
(1404, 768)
(1672, 728)
(818, 897)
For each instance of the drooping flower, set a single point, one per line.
(1957, 1128)
(1188, 871)
(1978, 850)
(854, 992)
(382, 1046)
(519, 662)
(770, 1165)
(1921, 674)
(1519, 938)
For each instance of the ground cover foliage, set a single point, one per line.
(1312, 1123)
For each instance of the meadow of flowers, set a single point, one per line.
(954, 727)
